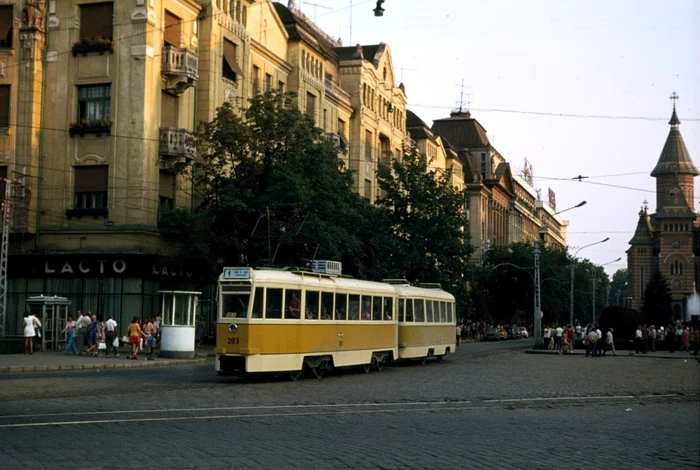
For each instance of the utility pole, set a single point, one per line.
(593, 282)
(538, 305)
(4, 244)
(571, 303)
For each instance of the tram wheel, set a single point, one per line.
(379, 365)
(319, 370)
(295, 374)
(439, 358)
(422, 360)
(367, 367)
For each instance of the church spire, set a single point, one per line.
(675, 158)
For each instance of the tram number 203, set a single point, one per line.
(233, 341)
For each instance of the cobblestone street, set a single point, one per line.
(488, 406)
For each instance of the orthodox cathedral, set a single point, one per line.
(668, 240)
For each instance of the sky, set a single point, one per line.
(575, 87)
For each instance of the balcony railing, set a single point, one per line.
(337, 92)
(177, 143)
(180, 67)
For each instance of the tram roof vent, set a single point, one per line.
(430, 285)
(397, 282)
(323, 266)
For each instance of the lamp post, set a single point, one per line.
(572, 266)
(582, 203)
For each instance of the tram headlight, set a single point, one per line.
(233, 328)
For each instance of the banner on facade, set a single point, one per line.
(527, 173)
(552, 200)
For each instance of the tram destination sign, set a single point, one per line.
(236, 273)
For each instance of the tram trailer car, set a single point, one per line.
(291, 321)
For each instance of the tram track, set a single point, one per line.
(30, 420)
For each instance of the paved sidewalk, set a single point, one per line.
(623, 353)
(58, 361)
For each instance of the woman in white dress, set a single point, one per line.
(29, 321)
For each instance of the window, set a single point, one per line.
(256, 79)
(292, 304)
(268, 82)
(443, 312)
(483, 163)
(353, 307)
(169, 110)
(6, 20)
(366, 307)
(94, 102)
(401, 310)
(5, 106)
(429, 311)
(91, 187)
(96, 20)
(171, 31)
(388, 308)
(368, 189)
(326, 306)
(419, 307)
(311, 105)
(409, 310)
(258, 302)
(231, 69)
(273, 303)
(166, 191)
(235, 304)
(280, 86)
(325, 120)
(311, 305)
(341, 306)
(341, 127)
(376, 308)
(368, 145)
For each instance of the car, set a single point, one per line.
(492, 334)
(523, 332)
(512, 333)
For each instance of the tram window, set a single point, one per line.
(366, 307)
(311, 305)
(292, 304)
(429, 311)
(341, 306)
(354, 307)
(436, 311)
(258, 303)
(443, 312)
(273, 303)
(235, 304)
(388, 308)
(401, 312)
(376, 308)
(419, 307)
(450, 312)
(326, 306)
(409, 310)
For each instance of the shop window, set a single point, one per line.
(5, 106)
(91, 187)
(96, 20)
(6, 20)
(94, 102)
(231, 69)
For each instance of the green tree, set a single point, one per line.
(618, 288)
(426, 216)
(657, 309)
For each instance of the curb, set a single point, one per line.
(107, 365)
(554, 353)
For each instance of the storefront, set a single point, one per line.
(125, 285)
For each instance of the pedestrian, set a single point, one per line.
(69, 331)
(559, 333)
(579, 333)
(600, 344)
(652, 338)
(638, 340)
(135, 333)
(80, 331)
(112, 334)
(592, 340)
(645, 339)
(679, 335)
(149, 339)
(685, 340)
(202, 331)
(100, 337)
(695, 341)
(547, 336)
(570, 332)
(458, 331)
(671, 339)
(610, 342)
(29, 321)
(37, 334)
(92, 333)
(565, 345)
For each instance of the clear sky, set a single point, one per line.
(616, 59)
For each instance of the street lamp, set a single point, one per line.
(582, 203)
(379, 11)
(594, 280)
(573, 264)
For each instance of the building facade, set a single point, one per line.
(669, 239)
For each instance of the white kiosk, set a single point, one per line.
(52, 312)
(178, 320)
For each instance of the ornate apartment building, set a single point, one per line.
(99, 101)
(669, 239)
(502, 207)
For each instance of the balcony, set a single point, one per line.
(337, 92)
(176, 144)
(180, 67)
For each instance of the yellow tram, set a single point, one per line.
(273, 320)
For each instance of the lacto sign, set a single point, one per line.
(100, 266)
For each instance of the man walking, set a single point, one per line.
(638, 339)
(652, 338)
(112, 333)
(558, 332)
(81, 332)
(610, 342)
